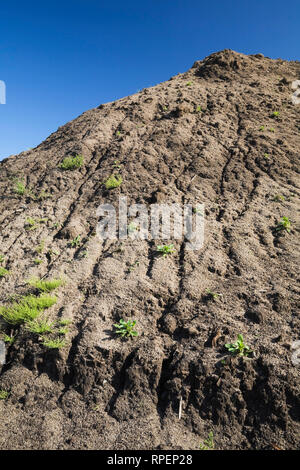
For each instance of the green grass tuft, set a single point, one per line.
(3, 272)
(45, 286)
(72, 163)
(113, 182)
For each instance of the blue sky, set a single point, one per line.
(60, 58)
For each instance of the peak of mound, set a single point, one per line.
(225, 133)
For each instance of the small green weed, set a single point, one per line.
(26, 309)
(126, 329)
(113, 182)
(72, 163)
(3, 272)
(45, 286)
(166, 249)
(212, 295)
(8, 339)
(20, 188)
(64, 322)
(40, 326)
(239, 347)
(54, 343)
(4, 394)
(76, 241)
(284, 224)
(208, 444)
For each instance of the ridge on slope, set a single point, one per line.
(99, 392)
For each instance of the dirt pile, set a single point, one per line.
(226, 134)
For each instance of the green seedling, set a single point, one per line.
(212, 295)
(37, 261)
(189, 83)
(2, 258)
(278, 198)
(284, 224)
(272, 129)
(72, 163)
(20, 188)
(208, 444)
(275, 114)
(126, 329)
(165, 249)
(4, 394)
(198, 109)
(239, 347)
(40, 248)
(134, 265)
(40, 326)
(32, 224)
(8, 339)
(262, 128)
(3, 272)
(113, 182)
(76, 241)
(63, 331)
(266, 156)
(45, 286)
(26, 309)
(64, 322)
(54, 343)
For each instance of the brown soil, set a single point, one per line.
(99, 392)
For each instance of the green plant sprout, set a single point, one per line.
(63, 331)
(262, 128)
(8, 339)
(76, 241)
(208, 444)
(3, 394)
(54, 343)
(113, 182)
(26, 309)
(275, 114)
(239, 347)
(3, 272)
(40, 326)
(198, 109)
(212, 295)
(72, 163)
(64, 322)
(40, 248)
(20, 188)
(284, 224)
(278, 198)
(126, 329)
(166, 249)
(45, 286)
(2, 258)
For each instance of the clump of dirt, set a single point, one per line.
(208, 136)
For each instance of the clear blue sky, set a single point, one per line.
(60, 58)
